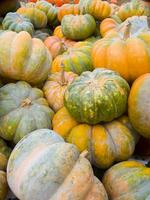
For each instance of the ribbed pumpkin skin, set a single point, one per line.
(133, 8)
(36, 16)
(22, 110)
(128, 180)
(16, 22)
(8, 6)
(97, 96)
(49, 10)
(58, 32)
(83, 26)
(107, 25)
(4, 154)
(97, 8)
(139, 105)
(68, 9)
(42, 34)
(125, 56)
(29, 60)
(57, 165)
(55, 87)
(3, 185)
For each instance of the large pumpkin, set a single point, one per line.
(128, 180)
(78, 27)
(3, 185)
(36, 16)
(76, 59)
(22, 110)
(4, 154)
(56, 172)
(126, 53)
(97, 96)
(28, 60)
(16, 22)
(55, 87)
(139, 105)
(8, 6)
(97, 8)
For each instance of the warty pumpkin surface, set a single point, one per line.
(57, 165)
(22, 110)
(139, 105)
(16, 22)
(29, 60)
(55, 87)
(128, 180)
(83, 26)
(97, 96)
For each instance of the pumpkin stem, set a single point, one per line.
(127, 31)
(84, 154)
(26, 102)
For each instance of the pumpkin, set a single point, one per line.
(68, 9)
(125, 53)
(49, 10)
(127, 180)
(97, 8)
(98, 96)
(16, 22)
(61, 2)
(55, 88)
(8, 6)
(22, 110)
(55, 46)
(76, 59)
(57, 165)
(28, 60)
(4, 154)
(42, 34)
(36, 16)
(83, 26)
(133, 8)
(3, 185)
(58, 32)
(139, 105)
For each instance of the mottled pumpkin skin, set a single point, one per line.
(97, 96)
(36, 16)
(58, 32)
(128, 180)
(68, 9)
(55, 87)
(139, 105)
(16, 22)
(57, 165)
(29, 60)
(42, 34)
(61, 2)
(3, 185)
(49, 10)
(133, 8)
(8, 6)
(83, 26)
(98, 9)
(76, 59)
(22, 110)
(124, 55)
(4, 154)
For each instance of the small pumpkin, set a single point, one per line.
(127, 180)
(71, 59)
(8, 6)
(68, 9)
(3, 185)
(58, 32)
(55, 87)
(83, 26)
(61, 2)
(36, 16)
(57, 165)
(139, 105)
(42, 34)
(97, 96)
(28, 60)
(22, 110)
(49, 10)
(16, 22)
(97, 8)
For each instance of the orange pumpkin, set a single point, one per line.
(61, 2)
(55, 87)
(107, 25)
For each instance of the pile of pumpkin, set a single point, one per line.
(74, 100)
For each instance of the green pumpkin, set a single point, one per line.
(98, 96)
(22, 110)
(16, 22)
(49, 10)
(78, 27)
(42, 34)
(8, 6)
